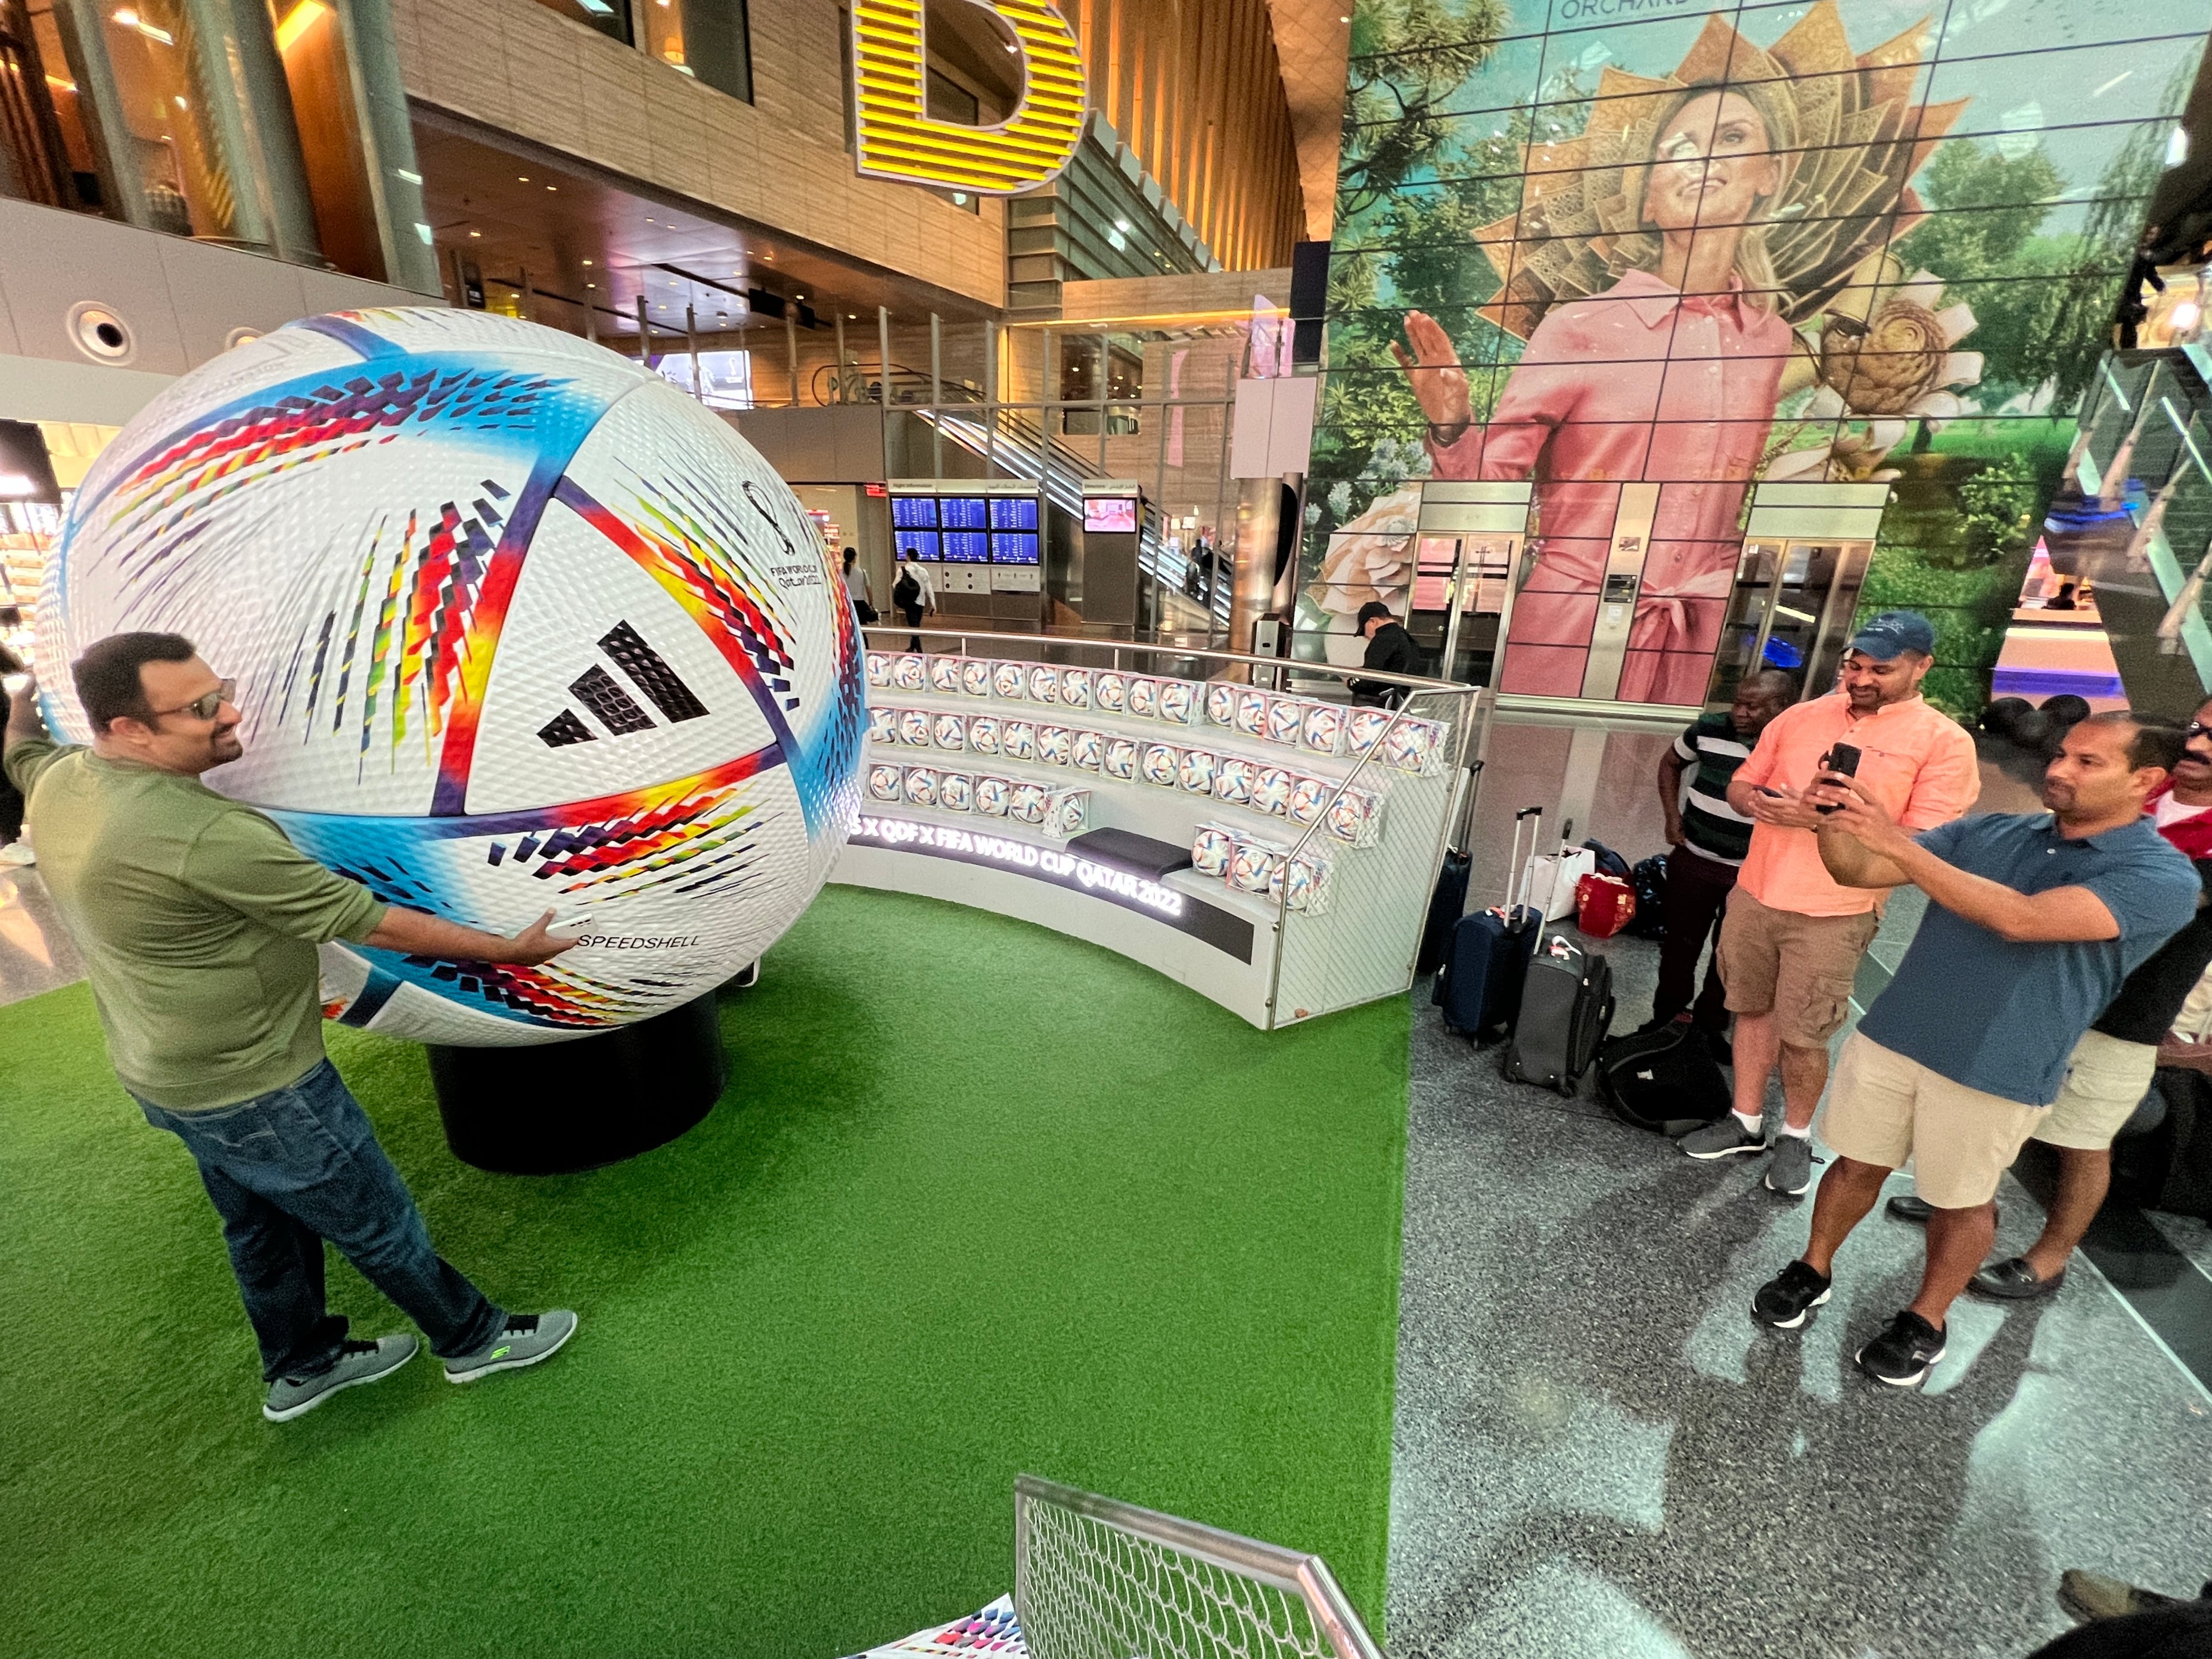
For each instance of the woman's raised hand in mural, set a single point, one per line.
(1439, 382)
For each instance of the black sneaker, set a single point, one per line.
(1911, 1207)
(1787, 1300)
(1905, 1352)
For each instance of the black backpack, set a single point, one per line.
(1664, 1080)
(906, 593)
(1649, 879)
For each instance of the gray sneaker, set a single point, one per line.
(1789, 1172)
(527, 1339)
(358, 1363)
(1724, 1138)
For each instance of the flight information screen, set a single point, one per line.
(1013, 512)
(917, 543)
(967, 546)
(962, 512)
(1013, 547)
(914, 512)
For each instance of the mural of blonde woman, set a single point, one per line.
(1656, 269)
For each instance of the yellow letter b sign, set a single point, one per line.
(898, 140)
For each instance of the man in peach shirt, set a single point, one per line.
(1791, 942)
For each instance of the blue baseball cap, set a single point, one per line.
(1894, 633)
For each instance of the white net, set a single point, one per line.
(1087, 1588)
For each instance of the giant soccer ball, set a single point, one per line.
(517, 626)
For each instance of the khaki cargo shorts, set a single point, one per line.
(1799, 968)
(1883, 1108)
(2106, 1078)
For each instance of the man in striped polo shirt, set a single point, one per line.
(1709, 839)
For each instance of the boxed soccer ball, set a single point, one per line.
(1233, 779)
(883, 725)
(1009, 680)
(945, 675)
(1354, 817)
(1221, 702)
(992, 795)
(1179, 701)
(1144, 697)
(1045, 683)
(1120, 760)
(1163, 764)
(1286, 718)
(1028, 803)
(1055, 744)
(1323, 731)
(1196, 773)
(1416, 746)
(1308, 799)
(1211, 846)
(955, 793)
(983, 732)
(914, 727)
(1271, 789)
(1300, 883)
(1109, 689)
(879, 668)
(1017, 740)
(1253, 864)
(975, 677)
(1251, 718)
(922, 785)
(910, 672)
(1363, 729)
(949, 731)
(1088, 753)
(1075, 688)
(1065, 813)
(886, 783)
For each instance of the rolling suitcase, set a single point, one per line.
(1566, 1003)
(1479, 986)
(1446, 908)
(1665, 1080)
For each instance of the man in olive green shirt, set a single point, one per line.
(198, 922)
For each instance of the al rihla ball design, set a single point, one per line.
(517, 626)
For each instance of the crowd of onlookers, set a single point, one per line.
(2062, 960)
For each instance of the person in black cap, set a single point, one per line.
(1391, 650)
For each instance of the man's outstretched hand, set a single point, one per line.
(1439, 382)
(413, 933)
(1857, 814)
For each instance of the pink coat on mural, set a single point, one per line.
(1636, 385)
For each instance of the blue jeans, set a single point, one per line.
(301, 1165)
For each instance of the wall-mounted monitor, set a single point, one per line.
(917, 543)
(1013, 512)
(963, 512)
(1109, 513)
(914, 512)
(1014, 547)
(967, 546)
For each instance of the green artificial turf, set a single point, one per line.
(980, 1199)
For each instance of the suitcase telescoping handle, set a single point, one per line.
(1523, 861)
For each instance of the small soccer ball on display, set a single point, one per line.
(516, 626)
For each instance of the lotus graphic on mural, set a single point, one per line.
(1693, 252)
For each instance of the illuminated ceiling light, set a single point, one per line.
(178, 101)
(590, 285)
(521, 177)
(588, 262)
(298, 21)
(412, 178)
(552, 186)
(60, 85)
(128, 18)
(475, 232)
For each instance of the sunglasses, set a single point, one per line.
(2196, 729)
(206, 708)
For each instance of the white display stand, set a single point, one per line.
(1258, 956)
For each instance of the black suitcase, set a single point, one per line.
(1566, 1003)
(1665, 1080)
(1479, 988)
(1447, 907)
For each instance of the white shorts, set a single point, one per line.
(2106, 1078)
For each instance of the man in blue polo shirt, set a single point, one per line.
(2034, 920)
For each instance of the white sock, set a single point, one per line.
(1805, 1134)
(1751, 1125)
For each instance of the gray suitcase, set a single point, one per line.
(1566, 1003)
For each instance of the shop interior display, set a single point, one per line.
(515, 625)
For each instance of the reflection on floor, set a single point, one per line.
(1598, 1452)
(35, 954)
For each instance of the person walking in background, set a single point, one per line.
(1391, 650)
(1708, 839)
(914, 595)
(198, 922)
(857, 588)
(15, 846)
(1792, 938)
(2034, 920)
(2114, 1065)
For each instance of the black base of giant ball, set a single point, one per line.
(565, 1106)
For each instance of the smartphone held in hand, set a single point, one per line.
(1843, 758)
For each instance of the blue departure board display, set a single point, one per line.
(1013, 512)
(1014, 547)
(962, 512)
(917, 544)
(967, 546)
(914, 512)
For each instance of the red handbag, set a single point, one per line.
(1603, 905)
